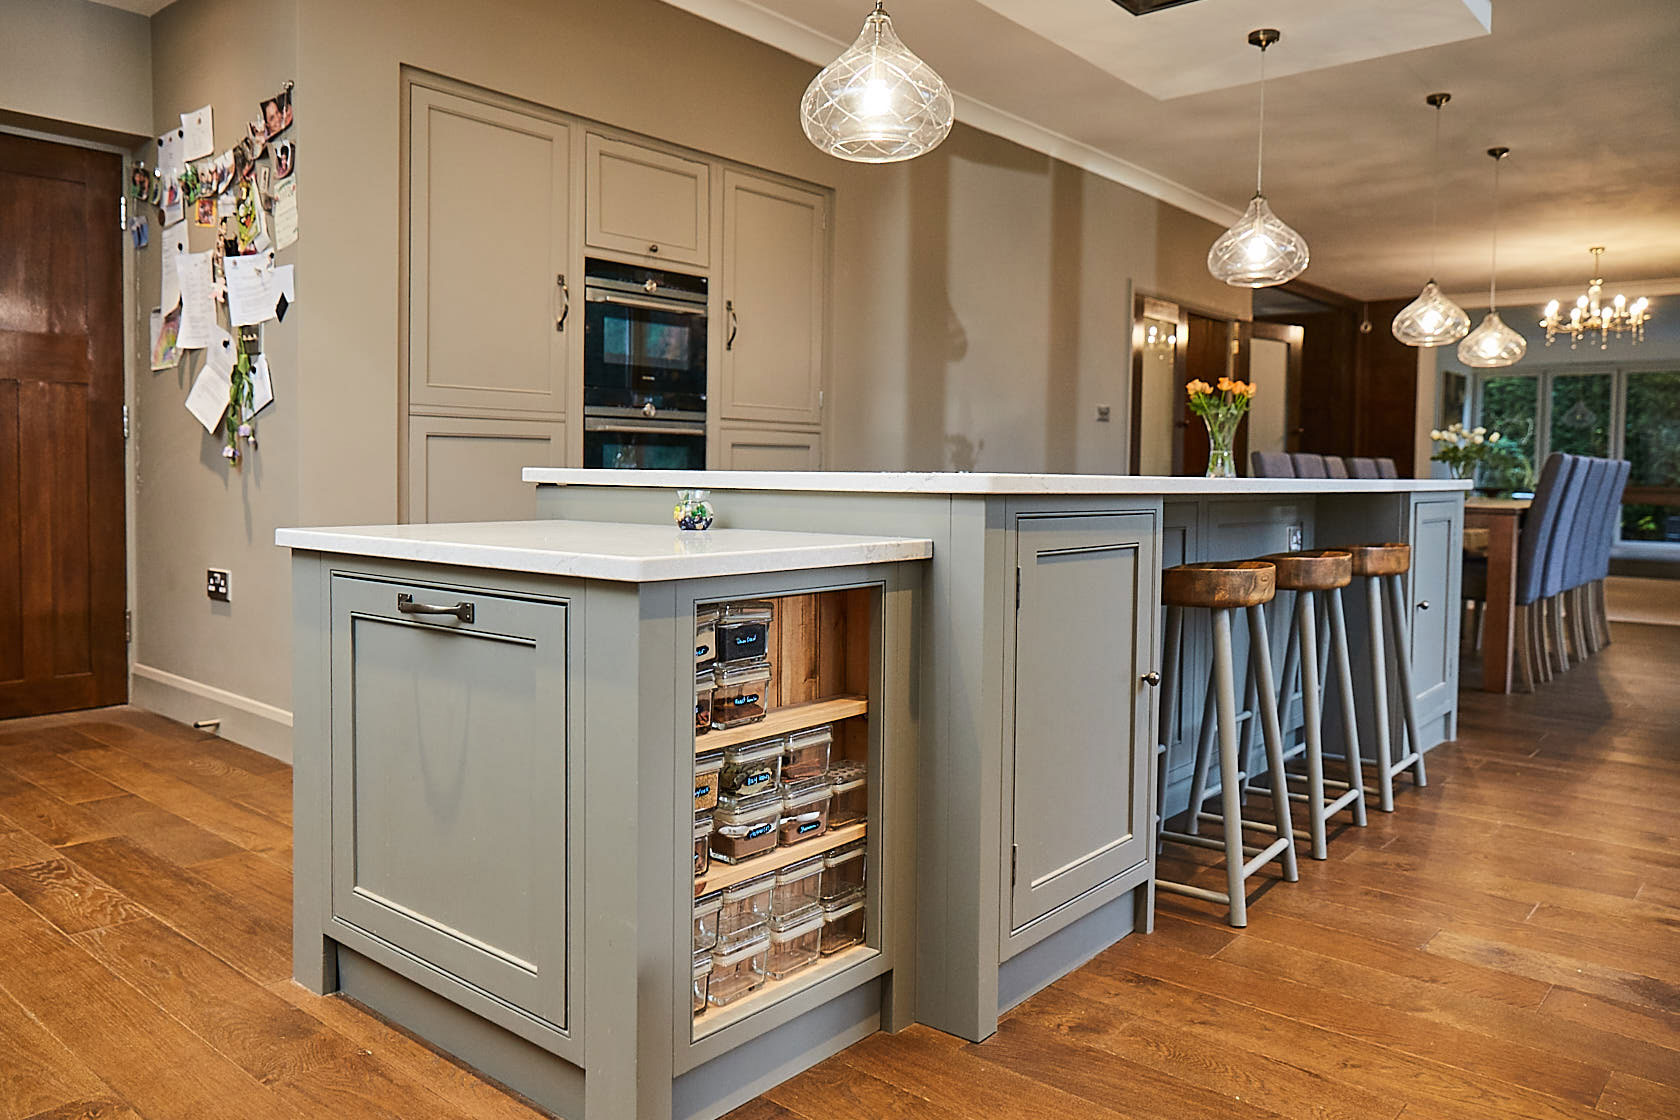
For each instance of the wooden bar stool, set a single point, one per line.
(1381, 566)
(1245, 585)
(1314, 576)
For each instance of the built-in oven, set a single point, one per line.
(644, 444)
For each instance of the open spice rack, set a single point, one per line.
(724, 875)
(780, 721)
(714, 1019)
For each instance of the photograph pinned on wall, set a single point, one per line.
(249, 228)
(173, 202)
(221, 173)
(166, 330)
(204, 211)
(243, 168)
(277, 112)
(256, 139)
(285, 159)
(139, 183)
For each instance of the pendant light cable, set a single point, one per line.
(1260, 153)
(1435, 189)
(1498, 155)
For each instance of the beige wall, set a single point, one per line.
(194, 510)
(76, 63)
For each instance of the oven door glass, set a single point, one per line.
(644, 447)
(637, 353)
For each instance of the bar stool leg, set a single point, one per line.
(1204, 756)
(1350, 714)
(1401, 635)
(1379, 694)
(1260, 656)
(1225, 700)
(1312, 712)
(1168, 713)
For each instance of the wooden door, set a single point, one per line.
(647, 202)
(775, 269)
(1207, 358)
(62, 578)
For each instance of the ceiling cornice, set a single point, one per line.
(813, 46)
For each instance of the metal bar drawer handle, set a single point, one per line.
(406, 605)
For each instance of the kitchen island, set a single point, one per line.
(621, 815)
(1040, 632)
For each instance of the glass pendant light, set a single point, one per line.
(1259, 251)
(1432, 319)
(1493, 344)
(877, 102)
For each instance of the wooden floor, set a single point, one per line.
(1506, 946)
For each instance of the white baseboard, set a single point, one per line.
(250, 723)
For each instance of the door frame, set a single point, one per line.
(1182, 311)
(1294, 338)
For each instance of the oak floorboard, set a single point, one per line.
(100, 1108)
(1553, 968)
(68, 897)
(245, 827)
(48, 770)
(37, 1072)
(1635, 1098)
(256, 880)
(52, 820)
(159, 831)
(18, 848)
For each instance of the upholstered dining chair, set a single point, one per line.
(1308, 465)
(1361, 467)
(1272, 464)
(1334, 467)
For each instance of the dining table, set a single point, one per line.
(1491, 529)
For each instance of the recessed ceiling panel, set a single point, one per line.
(1191, 48)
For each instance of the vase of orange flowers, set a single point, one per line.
(1221, 408)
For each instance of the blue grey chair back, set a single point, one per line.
(1361, 467)
(1540, 525)
(1272, 464)
(1612, 530)
(1308, 465)
(1387, 469)
(1552, 580)
(1589, 523)
(1334, 467)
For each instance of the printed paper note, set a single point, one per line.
(262, 385)
(172, 241)
(285, 213)
(198, 307)
(208, 399)
(170, 160)
(198, 137)
(251, 289)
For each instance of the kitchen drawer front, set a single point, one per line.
(645, 201)
(449, 783)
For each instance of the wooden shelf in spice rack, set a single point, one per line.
(721, 875)
(714, 1019)
(780, 721)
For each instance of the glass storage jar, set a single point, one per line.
(798, 889)
(744, 827)
(743, 633)
(745, 907)
(738, 968)
(805, 810)
(807, 753)
(708, 768)
(842, 924)
(750, 768)
(702, 978)
(850, 783)
(705, 636)
(705, 683)
(742, 694)
(843, 871)
(706, 910)
(702, 844)
(794, 944)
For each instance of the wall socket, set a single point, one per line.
(1102, 414)
(216, 584)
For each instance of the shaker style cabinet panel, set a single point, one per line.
(745, 448)
(644, 201)
(449, 783)
(1079, 759)
(468, 470)
(488, 246)
(1436, 549)
(775, 279)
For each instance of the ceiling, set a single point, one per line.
(1587, 99)
(141, 7)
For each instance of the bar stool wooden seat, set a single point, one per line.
(1222, 589)
(1316, 576)
(1381, 566)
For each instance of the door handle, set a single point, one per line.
(734, 324)
(1423, 606)
(1152, 678)
(462, 611)
(565, 302)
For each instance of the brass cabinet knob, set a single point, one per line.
(1152, 678)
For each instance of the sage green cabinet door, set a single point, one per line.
(1084, 632)
(646, 201)
(449, 783)
(1436, 551)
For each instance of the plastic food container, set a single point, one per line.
(738, 969)
(843, 871)
(702, 844)
(706, 910)
(795, 944)
(807, 753)
(751, 768)
(743, 633)
(850, 783)
(741, 694)
(707, 769)
(798, 889)
(744, 908)
(805, 810)
(705, 636)
(704, 685)
(842, 925)
(744, 827)
(702, 978)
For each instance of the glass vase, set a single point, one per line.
(1222, 435)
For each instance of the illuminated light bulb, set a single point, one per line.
(1552, 308)
(1259, 250)
(1431, 319)
(1492, 344)
(877, 102)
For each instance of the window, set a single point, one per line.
(1651, 442)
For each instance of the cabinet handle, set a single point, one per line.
(734, 324)
(653, 248)
(463, 611)
(565, 303)
(1423, 606)
(1152, 678)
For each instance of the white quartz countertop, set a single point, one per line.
(943, 482)
(606, 550)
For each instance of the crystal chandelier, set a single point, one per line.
(1589, 314)
(1260, 250)
(1432, 319)
(1493, 344)
(877, 102)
